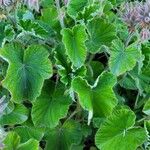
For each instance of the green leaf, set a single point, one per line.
(33, 27)
(146, 108)
(29, 145)
(118, 131)
(9, 108)
(28, 15)
(141, 80)
(146, 62)
(74, 41)
(27, 132)
(6, 33)
(17, 116)
(88, 12)
(94, 69)
(50, 107)
(49, 19)
(100, 33)
(26, 72)
(77, 147)
(75, 6)
(11, 141)
(3, 105)
(128, 82)
(65, 137)
(147, 125)
(98, 98)
(2, 34)
(47, 3)
(64, 66)
(123, 58)
(9, 33)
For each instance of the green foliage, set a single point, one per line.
(12, 141)
(74, 75)
(75, 6)
(123, 59)
(50, 107)
(118, 131)
(28, 132)
(64, 137)
(17, 116)
(100, 33)
(74, 41)
(99, 98)
(26, 73)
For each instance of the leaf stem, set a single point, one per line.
(77, 111)
(137, 99)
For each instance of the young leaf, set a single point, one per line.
(26, 72)
(99, 98)
(118, 131)
(50, 107)
(65, 137)
(100, 33)
(123, 59)
(74, 41)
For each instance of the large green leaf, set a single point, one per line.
(118, 132)
(17, 116)
(100, 33)
(74, 41)
(26, 72)
(123, 58)
(65, 137)
(50, 107)
(75, 6)
(99, 98)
